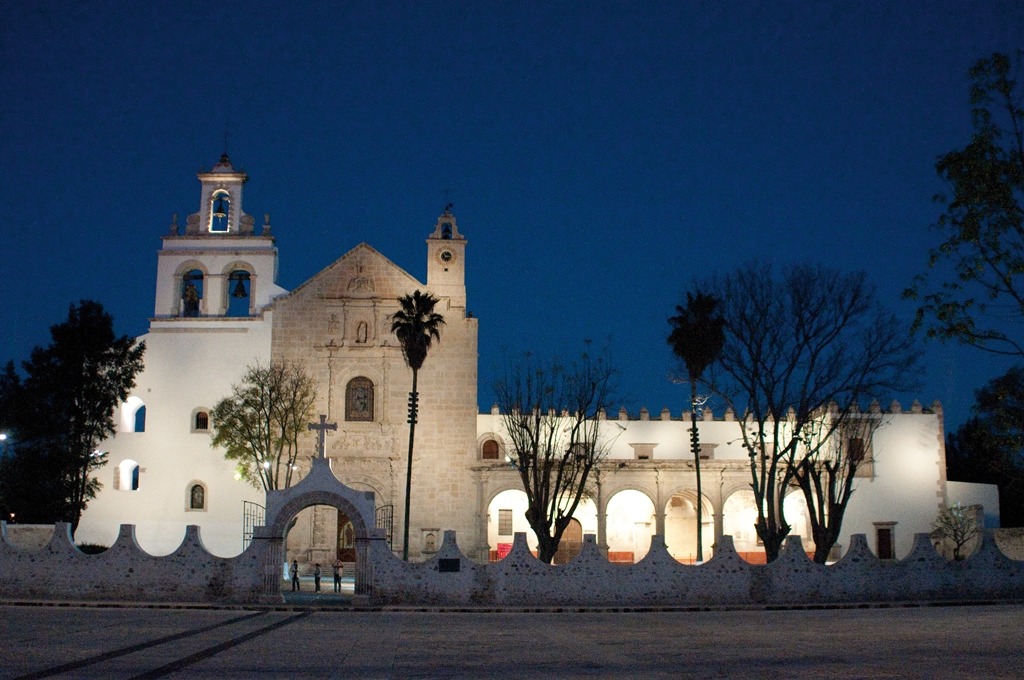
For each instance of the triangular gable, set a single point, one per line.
(361, 273)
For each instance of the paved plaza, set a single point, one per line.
(295, 643)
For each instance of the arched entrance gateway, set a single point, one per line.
(319, 489)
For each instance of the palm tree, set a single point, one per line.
(697, 337)
(416, 325)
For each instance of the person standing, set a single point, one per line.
(316, 578)
(295, 576)
(337, 576)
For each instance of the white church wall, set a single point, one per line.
(183, 371)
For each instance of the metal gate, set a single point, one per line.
(253, 515)
(385, 519)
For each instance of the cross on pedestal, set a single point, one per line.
(322, 427)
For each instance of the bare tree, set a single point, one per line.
(957, 524)
(259, 424)
(552, 413)
(800, 345)
(835, 449)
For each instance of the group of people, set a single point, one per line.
(338, 569)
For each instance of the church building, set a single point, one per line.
(218, 310)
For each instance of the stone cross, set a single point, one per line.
(323, 426)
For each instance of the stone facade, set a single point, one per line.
(218, 309)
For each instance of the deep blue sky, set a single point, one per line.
(600, 155)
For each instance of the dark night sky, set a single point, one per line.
(600, 155)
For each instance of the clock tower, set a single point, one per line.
(446, 261)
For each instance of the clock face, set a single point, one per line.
(447, 256)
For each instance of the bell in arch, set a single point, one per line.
(219, 210)
(239, 291)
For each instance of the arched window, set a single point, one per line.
(133, 415)
(197, 497)
(220, 209)
(201, 422)
(239, 289)
(359, 400)
(126, 476)
(490, 450)
(191, 292)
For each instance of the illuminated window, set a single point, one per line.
(359, 400)
(490, 450)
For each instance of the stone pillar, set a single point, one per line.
(214, 296)
(602, 518)
(483, 548)
(659, 505)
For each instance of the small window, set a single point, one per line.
(490, 450)
(201, 422)
(505, 522)
(197, 497)
(359, 400)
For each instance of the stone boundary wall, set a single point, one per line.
(191, 574)
(450, 578)
(60, 571)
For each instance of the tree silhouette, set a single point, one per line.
(416, 325)
(697, 338)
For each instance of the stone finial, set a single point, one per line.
(708, 414)
(937, 407)
(666, 414)
(875, 406)
(730, 414)
(623, 413)
(495, 411)
(896, 407)
(644, 413)
(174, 225)
(915, 407)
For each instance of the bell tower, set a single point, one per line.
(446, 261)
(219, 267)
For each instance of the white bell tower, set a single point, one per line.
(219, 267)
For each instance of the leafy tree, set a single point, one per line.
(259, 424)
(416, 325)
(957, 524)
(981, 301)
(62, 411)
(697, 338)
(552, 413)
(989, 448)
(802, 351)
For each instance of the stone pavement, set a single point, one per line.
(292, 642)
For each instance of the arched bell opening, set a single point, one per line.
(239, 292)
